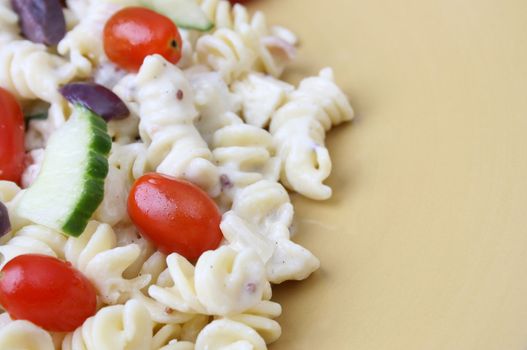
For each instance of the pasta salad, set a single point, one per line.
(147, 152)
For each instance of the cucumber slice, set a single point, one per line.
(70, 185)
(185, 13)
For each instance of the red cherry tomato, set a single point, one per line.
(175, 215)
(11, 138)
(133, 33)
(46, 291)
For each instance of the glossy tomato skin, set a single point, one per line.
(175, 215)
(133, 33)
(46, 291)
(11, 137)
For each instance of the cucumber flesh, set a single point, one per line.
(185, 13)
(70, 185)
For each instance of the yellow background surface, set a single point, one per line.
(424, 243)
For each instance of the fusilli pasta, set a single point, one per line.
(224, 282)
(116, 327)
(97, 255)
(228, 334)
(29, 72)
(260, 219)
(299, 129)
(24, 335)
(166, 108)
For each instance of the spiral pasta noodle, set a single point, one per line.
(299, 129)
(116, 327)
(272, 52)
(260, 219)
(245, 155)
(216, 105)
(24, 335)
(167, 112)
(229, 52)
(29, 72)
(96, 254)
(261, 96)
(126, 164)
(223, 282)
(260, 318)
(33, 239)
(228, 334)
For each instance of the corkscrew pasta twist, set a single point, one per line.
(96, 254)
(245, 155)
(167, 112)
(223, 282)
(30, 72)
(116, 327)
(126, 164)
(271, 50)
(33, 239)
(24, 335)
(261, 96)
(260, 219)
(226, 334)
(299, 129)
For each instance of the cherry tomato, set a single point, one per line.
(46, 291)
(11, 138)
(175, 215)
(133, 33)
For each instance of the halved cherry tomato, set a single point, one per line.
(133, 33)
(11, 137)
(175, 215)
(46, 291)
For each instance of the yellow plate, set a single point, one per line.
(424, 244)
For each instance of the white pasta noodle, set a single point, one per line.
(260, 318)
(260, 219)
(224, 282)
(169, 337)
(126, 164)
(29, 72)
(33, 239)
(231, 53)
(261, 96)
(273, 48)
(229, 335)
(245, 155)
(24, 335)
(299, 129)
(97, 255)
(116, 327)
(215, 103)
(175, 146)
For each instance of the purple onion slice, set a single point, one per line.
(41, 21)
(99, 99)
(5, 224)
